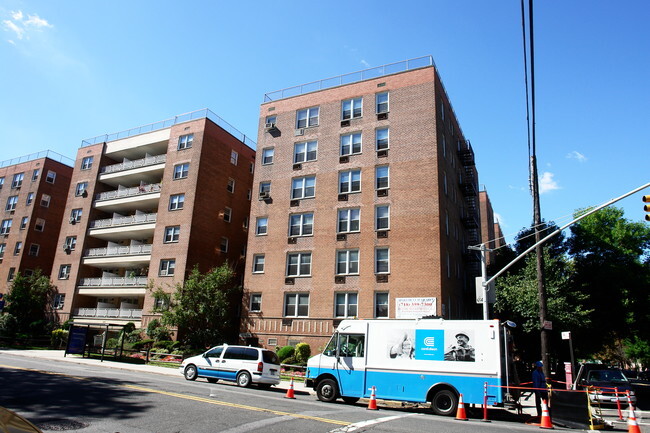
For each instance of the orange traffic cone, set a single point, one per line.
(372, 404)
(460, 413)
(546, 417)
(632, 425)
(290, 390)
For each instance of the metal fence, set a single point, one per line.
(129, 192)
(128, 165)
(124, 220)
(44, 154)
(122, 250)
(113, 282)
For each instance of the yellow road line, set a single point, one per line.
(201, 399)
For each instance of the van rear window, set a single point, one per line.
(270, 357)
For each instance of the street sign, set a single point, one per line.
(566, 335)
(548, 325)
(491, 294)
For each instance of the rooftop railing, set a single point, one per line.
(167, 123)
(353, 77)
(44, 154)
(128, 192)
(113, 282)
(128, 165)
(130, 250)
(124, 221)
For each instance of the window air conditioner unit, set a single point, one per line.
(270, 126)
(382, 234)
(294, 203)
(292, 240)
(73, 220)
(345, 123)
(382, 153)
(300, 131)
(289, 281)
(341, 237)
(382, 278)
(339, 280)
(382, 193)
(264, 195)
(344, 159)
(382, 116)
(343, 197)
(297, 166)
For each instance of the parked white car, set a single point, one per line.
(240, 364)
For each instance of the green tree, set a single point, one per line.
(612, 269)
(203, 307)
(28, 301)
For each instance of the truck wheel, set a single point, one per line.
(327, 390)
(444, 402)
(190, 372)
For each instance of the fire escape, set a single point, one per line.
(470, 214)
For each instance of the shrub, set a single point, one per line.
(289, 360)
(112, 343)
(142, 343)
(157, 331)
(303, 352)
(286, 352)
(166, 345)
(59, 338)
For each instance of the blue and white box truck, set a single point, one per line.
(421, 361)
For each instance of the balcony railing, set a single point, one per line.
(109, 313)
(128, 192)
(124, 221)
(131, 250)
(113, 282)
(128, 165)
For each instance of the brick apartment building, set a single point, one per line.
(365, 200)
(147, 205)
(33, 190)
(491, 233)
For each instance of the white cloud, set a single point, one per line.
(364, 63)
(577, 156)
(547, 183)
(22, 28)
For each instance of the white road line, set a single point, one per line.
(358, 425)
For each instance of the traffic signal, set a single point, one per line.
(646, 199)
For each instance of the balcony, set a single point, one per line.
(118, 256)
(140, 226)
(149, 169)
(113, 286)
(129, 199)
(108, 313)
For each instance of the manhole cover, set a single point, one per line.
(61, 425)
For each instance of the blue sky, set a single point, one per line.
(77, 69)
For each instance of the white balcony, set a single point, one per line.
(118, 256)
(129, 199)
(139, 226)
(108, 313)
(113, 286)
(149, 169)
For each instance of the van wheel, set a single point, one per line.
(243, 379)
(327, 390)
(212, 379)
(350, 400)
(190, 372)
(444, 402)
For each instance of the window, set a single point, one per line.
(381, 304)
(249, 194)
(382, 260)
(2, 182)
(17, 248)
(58, 301)
(351, 144)
(303, 187)
(307, 117)
(34, 249)
(230, 187)
(382, 102)
(10, 274)
(265, 190)
(87, 163)
(70, 243)
(251, 167)
(346, 305)
(351, 108)
(181, 170)
(267, 155)
(349, 181)
(75, 215)
(261, 226)
(185, 141)
(28, 272)
(11, 203)
(381, 139)
(271, 121)
(45, 200)
(348, 220)
(23, 223)
(50, 177)
(172, 233)
(167, 267)
(161, 302)
(35, 174)
(256, 302)
(17, 180)
(244, 223)
(381, 177)
(382, 217)
(303, 152)
(80, 189)
(296, 305)
(299, 265)
(227, 214)
(301, 224)
(223, 245)
(258, 263)
(234, 156)
(6, 227)
(176, 201)
(442, 110)
(30, 198)
(64, 272)
(347, 262)
(2, 250)
(39, 225)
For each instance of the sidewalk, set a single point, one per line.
(58, 355)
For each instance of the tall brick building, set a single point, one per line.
(148, 204)
(365, 200)
(33, 190)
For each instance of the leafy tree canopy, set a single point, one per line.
(27, 303)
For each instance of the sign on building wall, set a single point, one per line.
(414, 308)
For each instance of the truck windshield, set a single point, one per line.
(330, 349)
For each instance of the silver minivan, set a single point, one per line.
(241, 364)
